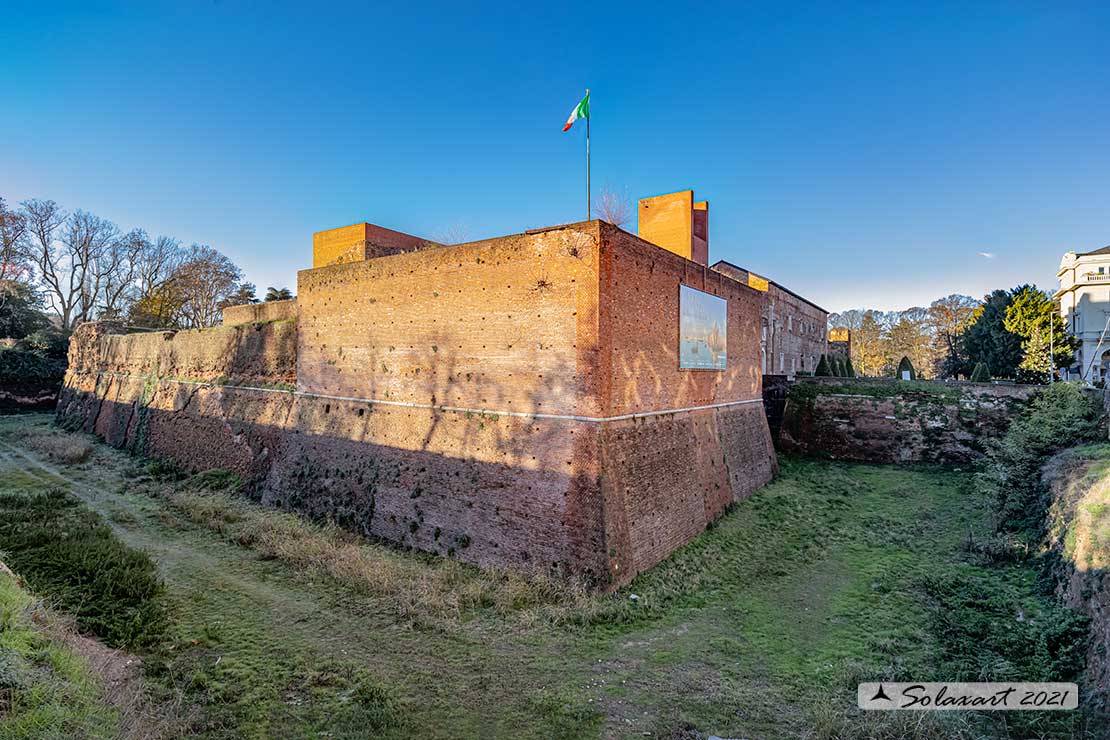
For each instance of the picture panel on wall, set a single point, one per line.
(702, 333)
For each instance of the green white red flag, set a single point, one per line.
(582, 110)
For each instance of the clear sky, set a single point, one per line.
(863, 154)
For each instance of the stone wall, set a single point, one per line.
(886, 420)
(514, 402)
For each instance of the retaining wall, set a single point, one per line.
(887, 420)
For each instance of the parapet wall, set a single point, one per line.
(887, 420)
(248, 354)
(249, 313)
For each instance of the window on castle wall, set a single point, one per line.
(782, 362)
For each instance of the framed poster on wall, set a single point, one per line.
(702, 330)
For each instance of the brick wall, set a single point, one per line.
(246, 354)
(257, 312)
(461, 401)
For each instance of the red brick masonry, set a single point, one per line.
(515, 401)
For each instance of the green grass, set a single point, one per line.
(69, 555)
(833, 574)
(46, 690)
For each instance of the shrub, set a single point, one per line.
(47, 342)
(849, 369)
(974, 617)
(980, 374)
(1058, 416)
(823, 370)
(68, 554)
(904, 365)
(20, 366)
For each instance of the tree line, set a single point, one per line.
(59, 269)
(1016, 334)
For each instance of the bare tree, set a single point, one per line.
(13, 255)
(454, 234)
(614, 207)
(156, 264)
(54, 264)
(116, 269)
(88, 241)
(204, 282)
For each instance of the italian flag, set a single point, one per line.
(582, 110)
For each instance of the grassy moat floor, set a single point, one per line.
(272, 627)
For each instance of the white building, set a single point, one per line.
(1084, 299)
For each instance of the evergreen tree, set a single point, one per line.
(987, 339)
(904, 365)
(278, 294)
(980, 374)
(1036, 365)
(823, 370)
(850, 371)
(1032, 312)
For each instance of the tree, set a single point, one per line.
(869, 346)
(204, 283)
(159, 309)
(1034, 316)
(823, 369)
(905, 366)
(909, 337)
(611, 206)
(20, 310)
(13, 255)
(244, 293)
(947, 318)
(278, 294)
(981, 374)
(987, 340)
(849, 370)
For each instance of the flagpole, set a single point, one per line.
(588, 194)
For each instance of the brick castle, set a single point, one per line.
(514, 401)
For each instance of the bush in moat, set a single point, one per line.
(823, 370)
(1058, 416)
(69, 555)
(21, 367)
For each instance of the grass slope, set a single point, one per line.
(832, 574)
(46, 690)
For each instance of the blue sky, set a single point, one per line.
(861, 154)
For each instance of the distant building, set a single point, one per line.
(794, 330)
(840, 343)
(1084, 300)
